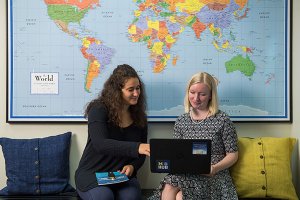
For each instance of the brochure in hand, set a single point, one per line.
(105, 178)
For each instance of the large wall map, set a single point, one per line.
(61, 52)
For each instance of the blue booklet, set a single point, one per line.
(105, 178)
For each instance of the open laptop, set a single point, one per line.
(176, 156)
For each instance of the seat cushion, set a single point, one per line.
(37, 166)
(263, 169)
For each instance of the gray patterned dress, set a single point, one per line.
(221, 131)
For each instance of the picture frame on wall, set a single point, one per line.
(60, 54)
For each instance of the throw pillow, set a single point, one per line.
(263, 168)
(37, 166)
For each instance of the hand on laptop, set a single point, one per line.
(213, 171)
(144, 149)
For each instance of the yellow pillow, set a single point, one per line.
(263, 168)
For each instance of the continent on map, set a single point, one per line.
(97, 55)
(158, 23)
(64, 12)
(239, 63)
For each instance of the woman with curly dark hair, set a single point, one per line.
(117, 137)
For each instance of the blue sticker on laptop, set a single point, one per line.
(163, 166)
(199, 148)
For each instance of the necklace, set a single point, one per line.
(198, 121)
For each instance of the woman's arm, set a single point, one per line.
(137, 163)
(230, 141)
(227, 162)
(99, 136)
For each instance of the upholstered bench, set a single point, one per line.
(46, 197)
(71, 196)
(149, 192)
(146, 193)
(38, 169)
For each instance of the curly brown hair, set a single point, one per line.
(111, 97)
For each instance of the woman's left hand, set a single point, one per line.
(128, 170)
(213, 170)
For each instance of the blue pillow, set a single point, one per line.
(37, 166)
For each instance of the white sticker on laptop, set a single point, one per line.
(199, 148)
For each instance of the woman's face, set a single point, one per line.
(131, 91)
(199, 96)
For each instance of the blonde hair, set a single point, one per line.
(211, 82)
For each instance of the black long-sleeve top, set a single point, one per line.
(109, 148)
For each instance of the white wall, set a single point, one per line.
(156, 129)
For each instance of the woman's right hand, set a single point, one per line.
(144, 149)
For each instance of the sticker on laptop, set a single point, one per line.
(162, 165)
(199, 148)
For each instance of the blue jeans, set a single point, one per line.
(129, 190)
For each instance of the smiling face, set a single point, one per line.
(199, 96)
(131, 91)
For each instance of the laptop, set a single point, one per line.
(177, 156)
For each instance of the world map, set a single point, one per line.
(62, 51)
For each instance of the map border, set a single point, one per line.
(11, 118)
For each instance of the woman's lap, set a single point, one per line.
(129, 190)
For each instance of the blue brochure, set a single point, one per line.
(105, 178)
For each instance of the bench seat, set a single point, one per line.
(146, 193)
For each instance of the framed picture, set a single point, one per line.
(61, 52)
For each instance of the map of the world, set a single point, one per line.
(62, 51)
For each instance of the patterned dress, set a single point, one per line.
(221, 131)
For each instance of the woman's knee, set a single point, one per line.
(98, 193)
(129, 190)
(169, 192)
(179, 195)
(170, 188)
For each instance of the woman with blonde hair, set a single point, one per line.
(203, 120)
